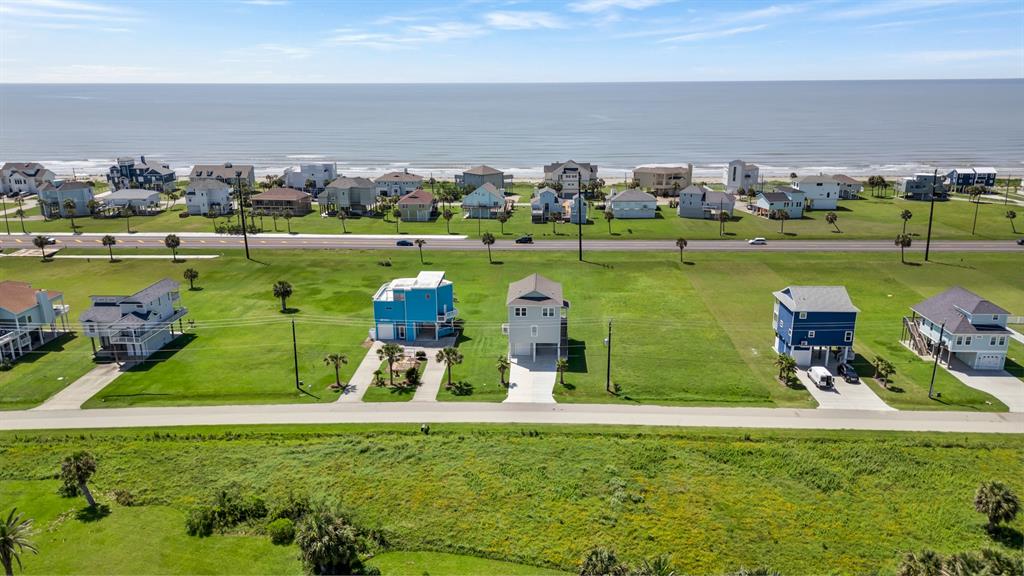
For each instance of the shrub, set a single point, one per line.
(200, 521)
(229, 509)
(291, 506)
(282, 531)
(124, 497)
(421, 355)
(412, 376)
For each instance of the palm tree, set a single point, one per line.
(608, 217)
(41, 242)
(882, 183)
(309, 184)
(75, 472)
(503, 366)
(336, 360)
(1011, 215)
(398, 218)
(20, 213)
(561, 366)
(488, 240)
(109, 241)
(450, 357)
(69, 209)
(884, 370)
(903, 241)
(172, 241)
(127, 213)
(657, 566)
(343, 216)
(191, 274)
(723, 217)
(447, 215)
(419, 244)
(502, 218)
(681, 244)
(832, 218)
(92, 205)
(906, 215)
(391, 352)
(787, 367)
(601, 561)
(283, 290)
(924, 563)
(782, 216)
(329, 544)
(997, 502)
(14, 541)
(288, 219)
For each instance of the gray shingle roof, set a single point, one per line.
(547, 291)
(345, 182)
(816, 299)
(128, 194)
(633, 195)
(400, 177)
(224, 171)
(154, 290)
(947, 306)
(660, 169)
(556, 165)
(286, 194)
(29, 169)
(66, 185)
(483, 170)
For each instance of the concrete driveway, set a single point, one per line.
(363, 376)
(430, 384)
(532, 381)
(843, 395)
(75, 394)
(999, 383)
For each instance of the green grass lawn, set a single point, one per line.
(801, 502)
(443, 564)
(696, 333)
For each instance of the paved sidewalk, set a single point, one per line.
(363, 376)
(843, 395)
(1016, 335)
(433, 374)
(76, 393)
(531, 381)
(999, 383)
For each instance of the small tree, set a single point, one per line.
(502, 218)
(336, 361)
(288, 215)
(903, 241)
(283, 290)
(109, 241)
(343, 216)
(41, 242)
(447, 215)
(398, 218)
(126, 212)
(832, 218)
(450, 357)
(906, 215)
(787, 367)
(681, 244)
(488, 240)
(608, 217)
(309, 184)
(20, 213)
(561, 366)
(923, 563)
(172, 241)
(883, 370)
(782, 216)
(75, 472)
(601, 561)
(419, 244)
(191, 274)
(390, 352)
(503, 367)
(997, 502)
(723, 217)
(1011, 215)
(14, 541)
(329, 544)
(69, 208)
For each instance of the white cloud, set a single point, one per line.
(446, 31)
(887, 7)
(713, 34)
(265, 2)
(407, 37)
(773, 11)
(63, 10)
(591, 6)
(522, 20)
(293, 52)
(948, 56)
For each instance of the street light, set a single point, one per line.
(935, 365)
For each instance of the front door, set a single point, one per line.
(400, 332)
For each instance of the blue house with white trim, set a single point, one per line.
(814, 324)
(410, 309)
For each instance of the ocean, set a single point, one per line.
(852, 127)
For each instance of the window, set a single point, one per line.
(533, 331)
(967, 341)
(519, 312)
(995, 317)
(427, 296)
(810, 333)
(548, 312)
(992, 341)
(848, 336)
(959, 340)
(803, 315)
(1002, 340)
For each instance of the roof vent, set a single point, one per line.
(227, 164)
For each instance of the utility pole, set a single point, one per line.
(245, 234)
(935, 366)
(295, 355)
(931, 213)
(579, 221)
(7, 222)
(1006, 197)
(608, 365)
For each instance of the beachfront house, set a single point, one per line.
(477, 176)
(320, 174)
(922, 186)
(411, 309)
(959, 324)
(398, 184)
(132, 328)
(959, 179)
(138, 200)
(545, 205)
(814, 325)
(417, 206)
(571, 175)
(821, 192)
(208, 198)
(128, 173)
(740, 175)
(23, 178)
(29, 318)
(699, 201)
(282, 201)
(537, 318)
(663, 180)
(849, 188)
(576, 208)
(784, 199)
(633, 203)
(53, 195)
(484, 202)
(227, 172)
(356, 195)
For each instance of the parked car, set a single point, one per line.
(757, 241)
(404, 243)
(820, 376)
(525, 239)
(848, 373)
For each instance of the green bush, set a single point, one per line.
(200, 521)
(282, 531)
(291, 506)
(229, 509)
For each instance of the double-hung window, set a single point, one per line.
(520, 312)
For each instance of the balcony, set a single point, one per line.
(447, 316)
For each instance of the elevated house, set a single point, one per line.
(740, 175)
(398, 184)
(132, 328)
(128, 173)
(849, 188)
(699, 201)
(814, 325)
(29, 318)
(138, 200)
(411, 309)
(282, 201)
(23, 178)
(959, 324)
(663, 180)
(572, 175)
(356, 195)
(922, 186)
(633, 203)
(545, 205)
(537, 318)
(53, 195)
(576, 209)
(227, 172)
(319, 174)
(477, 176)
(484, 202)
(959, 179)
(417, 206)
(784, 199)
(821, 192)
(208, 198)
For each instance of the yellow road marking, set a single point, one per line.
(19, 241)
(77, 241)
(202, 241)
(222, 242)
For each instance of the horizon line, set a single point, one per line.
(430, 83)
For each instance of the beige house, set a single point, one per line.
(663, 180)
(417, 206)
(281, 201)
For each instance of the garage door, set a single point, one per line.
(385, 331)
(522, 349)
(989, 362)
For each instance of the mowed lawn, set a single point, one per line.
(799, 502)
(868, 218)
(693, 333)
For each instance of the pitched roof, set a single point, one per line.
(715, 197)
(224, 171)
(660, 169)
(208, 184)
(816, 299)
(846, 179)
(345, 182)
(66, 185)
(400, 177)
(417, 196)
(633, 195)
(154, 290)
(129, 194)
(110, 312)
(696, 189)
(286, 194)
(556, 165)
(483, 170)
(488, 189)
(17, 297)
(30, 169)
(818, 178)
(774, 197)
(951, 305)
(534, 289)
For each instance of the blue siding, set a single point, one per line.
(829, 328)
(419, 306)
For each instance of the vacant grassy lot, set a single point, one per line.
(693, 333)
(802, 502)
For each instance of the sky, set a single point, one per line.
(360, 41)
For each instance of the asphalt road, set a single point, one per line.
(310, 241)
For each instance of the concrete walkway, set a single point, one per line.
(433, 374)
(532, 381)
(999, 383)
(843, 395)
(363, 376)
(1016, 335)
(75, 394)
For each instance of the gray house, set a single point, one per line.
(131, 328)
(137, 199)
(698, 201)
(52, 196)
(226, 172)
(545, 205)
(477, 176)
(537, 318)
(353, 194)
(959, 324)
(633, 203)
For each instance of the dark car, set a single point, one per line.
(848, 373)
(524, 240)
(1020, 241)
(404, 243)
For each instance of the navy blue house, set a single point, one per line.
(814, 324)
(131, 174)
(960, 179)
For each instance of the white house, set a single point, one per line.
(545, 205)
(226, 172)
(821, 192)
(571, 175)
(138, 199)
(740, 174)
(319, 173)
(698, 201)
(537, 318)
(959, 323)
(633, 203)
(783, 199)
(484, 202)
(208, 198)
(22, 178)
(849, 188)
(398, 183)
(131, 328)
(29, 318)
